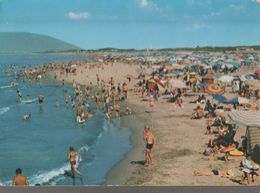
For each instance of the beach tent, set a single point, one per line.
(251, 120)
(253, 143)
(225, 78)
(245, 118)
(214, 89)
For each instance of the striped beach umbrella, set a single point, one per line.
(246, 118)
(214, 89)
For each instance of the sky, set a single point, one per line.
(93, 24)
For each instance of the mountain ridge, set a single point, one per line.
(25, 42)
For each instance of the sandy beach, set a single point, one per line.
(180, 141)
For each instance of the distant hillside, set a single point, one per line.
(19, 42)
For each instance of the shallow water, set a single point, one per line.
(40, 145)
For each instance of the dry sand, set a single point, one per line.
(180, 141)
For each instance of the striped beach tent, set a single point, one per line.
(253, 143)
(246, 118)
(252, 121)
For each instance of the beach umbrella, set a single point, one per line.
(233, 101)
(151, 86)
(202, 84)
(225, 78)
(229, 66)
(176, 72)
(242, 100)
(247, 118)
(214, 89)
(257, 73)
(219, 98)
(169, 75)
(235, 64)
(176, 83)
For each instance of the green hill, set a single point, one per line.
(20, 42)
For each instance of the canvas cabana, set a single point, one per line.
(252, 121)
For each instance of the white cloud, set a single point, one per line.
(238, 8)
(143, 3)
(78, 16)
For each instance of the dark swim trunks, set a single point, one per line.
(215, 172)
(149, 146)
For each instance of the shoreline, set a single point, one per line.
(180, 141)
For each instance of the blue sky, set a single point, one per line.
(93, 24)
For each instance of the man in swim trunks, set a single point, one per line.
(19, 179)
(150, 141)
(72, 158)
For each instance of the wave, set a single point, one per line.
(4, 110)
(49, 176)
(30, 101)
(2, 87)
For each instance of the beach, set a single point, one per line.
(180, 141)
(112, 149)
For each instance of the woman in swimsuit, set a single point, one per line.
(221, 173)
(117, 109)
(72, 158)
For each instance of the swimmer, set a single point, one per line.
(57, 103)
(26, 117)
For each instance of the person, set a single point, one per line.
(67, 99)
(72, 157)
(247, 169)
(57, 103)
(151, 103)
(19, 179)
(198, 114)
(19, 96)
(150, 142)
(26, 117)
(40, 100)
(220, 173)
(117, 109)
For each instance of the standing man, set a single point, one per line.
(19, 96)
(150, 142)
(19, 179)
(40, 100)
(73, 155)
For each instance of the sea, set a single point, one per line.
(40, 146)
